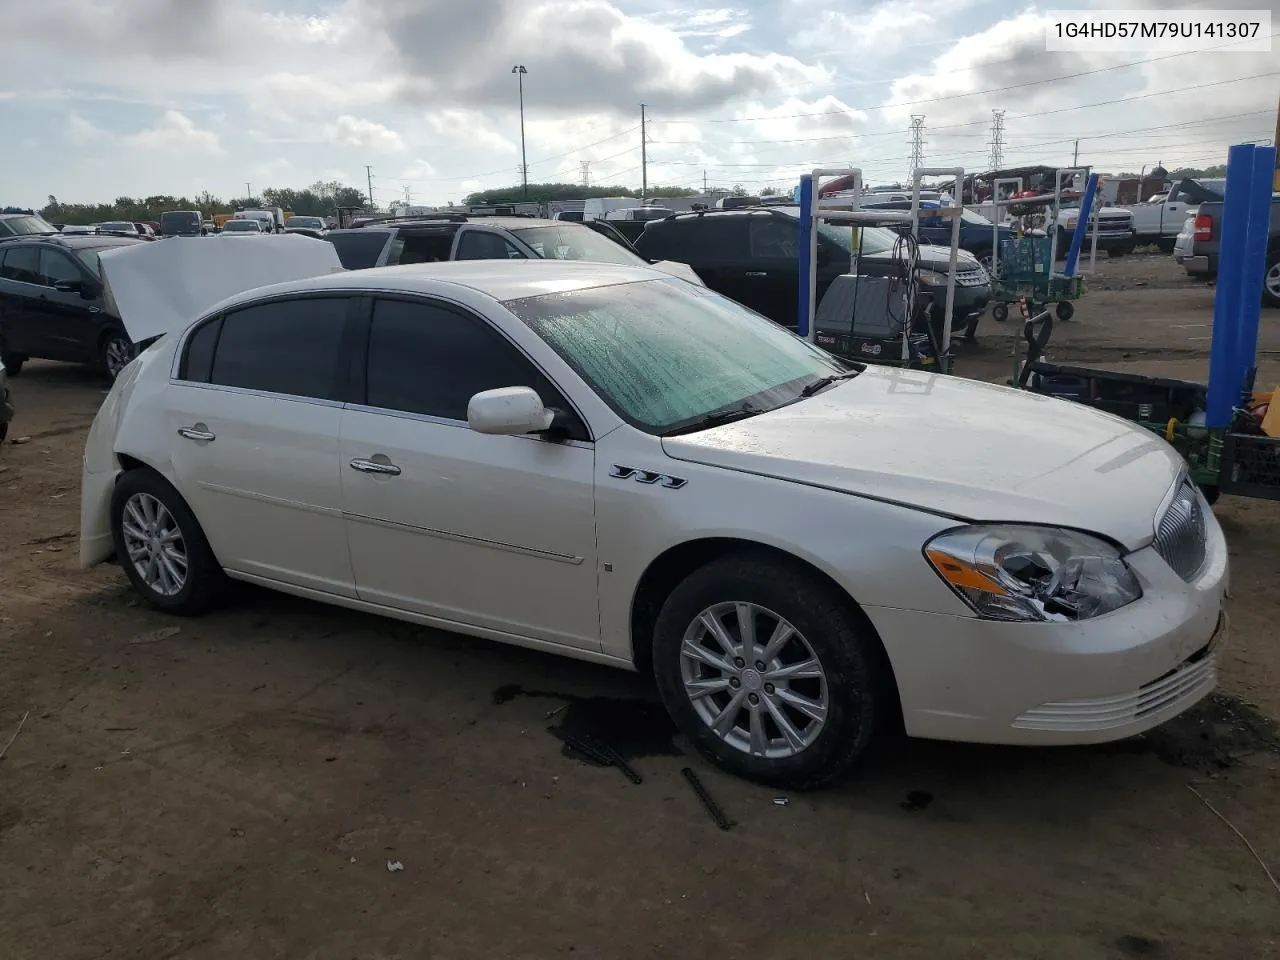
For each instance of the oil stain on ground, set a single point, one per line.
(1216, 734)
(633, 727)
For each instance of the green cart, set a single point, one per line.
(1025, 270)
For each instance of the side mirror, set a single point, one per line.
(69, 286)
(508, 411)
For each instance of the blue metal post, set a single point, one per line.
(806, 267)
(1082, 226)
(1255, 263)
(1224, 385)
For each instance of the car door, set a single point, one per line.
(773, 282)
(69, 308)
(253, 420)
(20, 316)
(721, 254)
(492, 531)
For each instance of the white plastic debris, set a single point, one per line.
(394, 866)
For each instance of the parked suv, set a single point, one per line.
(935, 227)
(753, 256)
(385, 243)
(52, 304)
(24, 225)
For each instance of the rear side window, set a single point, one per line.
(359, 249)
(21, 264)
(290, 347)
(197, 361)
(483, 245)
(696, 239)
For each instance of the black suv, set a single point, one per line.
(753, 256)
(389, 242)
(52, 305)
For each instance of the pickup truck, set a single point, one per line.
(1115, 230)
(1159, 219)
(1206, 240)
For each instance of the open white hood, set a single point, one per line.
(158, 287)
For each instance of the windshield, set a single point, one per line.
(25, 226)
(664, 353)
(874, 239)
(309, 222)
(572, 242)
(179, 221)
(247, 226)
(117, 226)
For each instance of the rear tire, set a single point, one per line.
(159, 543)
(1065, 311)
(779, 724)
(115, 352)
(12, 361)
(1271, 280)
(1000, 312)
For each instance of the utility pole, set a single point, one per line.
(997, 139)
(917, 142)
(248, 194)
(368, 172)
(520, 72)
(644, 158)
(1075, 155)
(704, 183)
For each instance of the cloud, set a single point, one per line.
(81, 132)
(351, 131)
(176, 133)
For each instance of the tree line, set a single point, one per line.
(318, 200)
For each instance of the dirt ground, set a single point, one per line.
(236, 785)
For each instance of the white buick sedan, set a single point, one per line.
(612, 464)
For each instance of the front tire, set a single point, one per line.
(1000, 312)
(159, 543)
(771, 674)
(1065, 310)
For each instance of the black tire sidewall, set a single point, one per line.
(1065, 311)
(1000, 312)
(113, 333)
(857, 695)
(1268, 298)
(204, 576)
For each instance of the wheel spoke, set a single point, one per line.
(793, 737)
(172, 535)
(172, 577)
(132, 530)
(724, 720)
(782, 632)
(803, 670)
(714, 627)
(759, 742)
(704, 688)
(137, 552)
(135, 516)
(703, 655)
(746, 615)
(810, 708)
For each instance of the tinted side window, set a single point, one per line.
(197, 361)
(724, 237)
(22, 264)
(669, 241)
(291, 347)
(427, 359)
(483, 245)
(427, 247)
(359, 249)
(56, 267)
(775, 238)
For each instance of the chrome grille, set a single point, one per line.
(1181, 532)
(971, 278)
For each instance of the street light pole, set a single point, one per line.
(520, 71)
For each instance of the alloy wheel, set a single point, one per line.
(1272, 281)
(155, 544)
(754, 680)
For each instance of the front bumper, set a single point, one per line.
(961, 678)
(969, 301)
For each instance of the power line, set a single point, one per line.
(974, 93)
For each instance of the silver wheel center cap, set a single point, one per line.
(752, 681)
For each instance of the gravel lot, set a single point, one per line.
(235, 785)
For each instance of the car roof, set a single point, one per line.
(75, 241)
(500, 280)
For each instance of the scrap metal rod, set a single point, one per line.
(713, 808)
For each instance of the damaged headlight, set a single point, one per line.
(932, 278)
(1008, 572)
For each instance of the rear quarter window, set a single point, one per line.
(359, 249)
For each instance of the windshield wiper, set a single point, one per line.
(716, 419)
(825, 382)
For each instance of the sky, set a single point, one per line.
(107, 98)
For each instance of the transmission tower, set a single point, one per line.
(585, 167)
(917, 142)
(997, 140)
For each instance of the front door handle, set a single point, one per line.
(756, 274)
(373, 466)
(197, 433)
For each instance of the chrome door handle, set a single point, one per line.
(373, 466)
(191, 433)
(756, 273)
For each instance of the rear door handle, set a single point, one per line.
(196, 433)
(373, 466)
(756, 274)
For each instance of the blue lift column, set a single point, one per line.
(1082, 226)
(1228, 301)
(806, 256)
(1255, 262)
